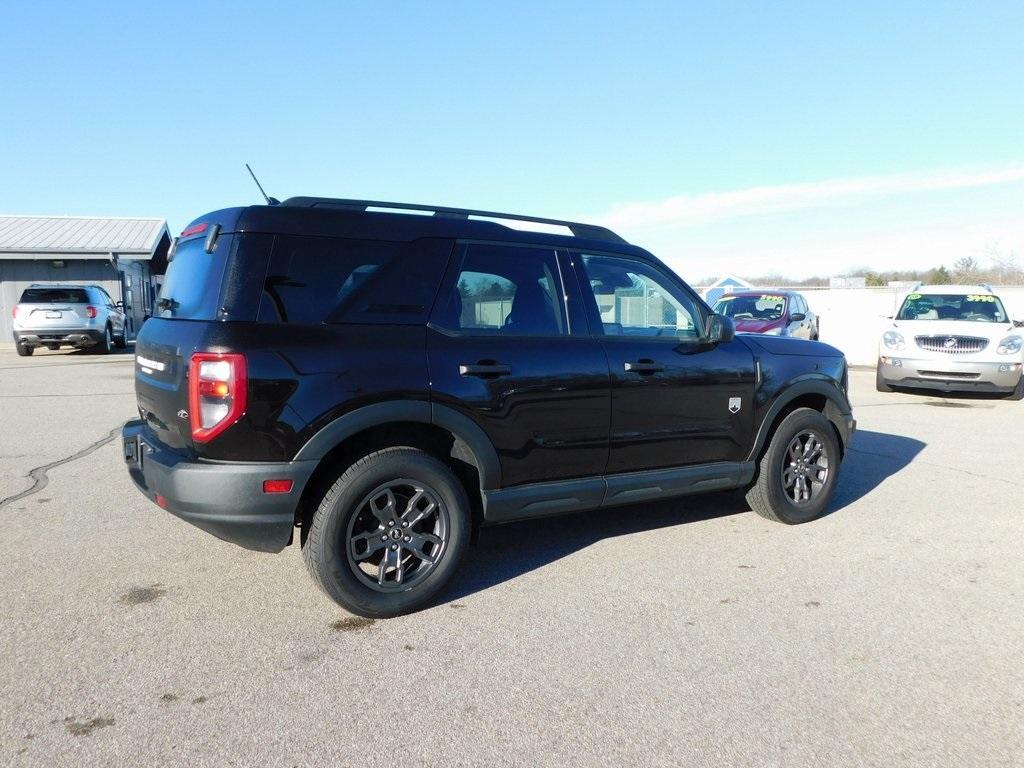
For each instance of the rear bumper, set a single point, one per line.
(225, 499)
(79, 337)
(950, 375)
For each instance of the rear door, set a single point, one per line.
(676, 400)
(190, 300)
(508, 347)
(43, 308)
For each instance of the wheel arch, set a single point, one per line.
(438, 430)
(819, 394)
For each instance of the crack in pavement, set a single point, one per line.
(39, 477)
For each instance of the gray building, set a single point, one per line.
(127, 257)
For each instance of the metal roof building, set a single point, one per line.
(126, 256)
(78, 236)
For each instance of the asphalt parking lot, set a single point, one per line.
(692, 632)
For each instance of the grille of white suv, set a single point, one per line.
(954, 345)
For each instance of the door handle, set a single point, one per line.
(644, 366)
(484, 369)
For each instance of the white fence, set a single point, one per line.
(853, 319)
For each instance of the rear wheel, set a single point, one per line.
(121, 341)
(24, 350)
(797, 474)
(389, 533)
(105, 343)
(880, 383)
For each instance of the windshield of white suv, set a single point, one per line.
(983, 307)
(767, 306)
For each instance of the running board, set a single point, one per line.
(543, 499)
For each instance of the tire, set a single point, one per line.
(768, 495)
(53, 347)
(345, 521)
(121, 341)
(24, 350)
(104, 346)
(880, 383)
(1018, 392)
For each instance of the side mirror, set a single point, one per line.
(796, 317)
(119, 305)
(721, 329)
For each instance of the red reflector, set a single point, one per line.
(277, 486)
(195, 229)
(90, 311)
(161, 501)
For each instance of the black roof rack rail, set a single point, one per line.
(589, 231)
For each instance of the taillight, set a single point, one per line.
(216, 393)
(14, 313)
(90, 311)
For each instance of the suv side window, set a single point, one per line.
(504, 290)
(314, 280)
(636, 299)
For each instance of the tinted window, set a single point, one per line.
(982, 307)
(191, 288)
(505, 290)
(318, 279)
(55, 296)
(635, 299)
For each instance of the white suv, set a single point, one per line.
(952, 337)
(80, 316)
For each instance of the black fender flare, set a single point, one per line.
(421, 411)
(837, 410)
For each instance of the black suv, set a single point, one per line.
(388, 377)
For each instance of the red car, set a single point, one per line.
(776, 313)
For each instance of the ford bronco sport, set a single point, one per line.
(387, 381)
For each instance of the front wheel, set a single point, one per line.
(797, 474)
(389, 533)
(1018, 392)
(24, 350)
(880, 383)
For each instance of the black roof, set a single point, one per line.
(332, 217)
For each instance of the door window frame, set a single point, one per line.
(570, 303)
(593, 313)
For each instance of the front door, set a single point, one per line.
(676, 400)
(508, 347)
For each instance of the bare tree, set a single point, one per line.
(966, 270)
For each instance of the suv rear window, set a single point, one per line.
(315, 280)
(191, 289)
(54, 296)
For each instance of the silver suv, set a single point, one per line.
(79, 316)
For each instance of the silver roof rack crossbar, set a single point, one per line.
(588, 231)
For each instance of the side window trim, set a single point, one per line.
(450, 283)
(701, 309)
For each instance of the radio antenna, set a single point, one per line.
(270, 200)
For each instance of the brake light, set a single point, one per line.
(90, 311)
(14, 313)
(195, 229)
(217, 387)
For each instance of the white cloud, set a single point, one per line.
(684, 211)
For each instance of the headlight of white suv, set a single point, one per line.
(1011, 345)
(893, 340)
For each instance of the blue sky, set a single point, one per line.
(727, 137)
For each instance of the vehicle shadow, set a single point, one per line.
(508, 551)
(872, 458)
